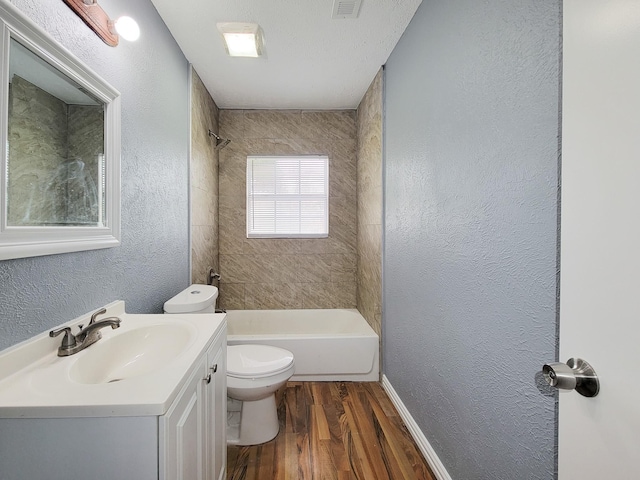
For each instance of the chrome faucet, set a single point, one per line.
(86, 336)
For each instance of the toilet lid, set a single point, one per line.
(251, 361)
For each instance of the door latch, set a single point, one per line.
(575, 374)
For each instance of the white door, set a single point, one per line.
(599, 437)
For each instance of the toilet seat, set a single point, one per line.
(257, 361)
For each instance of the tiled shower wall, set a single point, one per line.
(204, 182)
(288, 273)
(370, 204)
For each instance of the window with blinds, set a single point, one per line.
(288, 197)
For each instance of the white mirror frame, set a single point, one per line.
(20, 242)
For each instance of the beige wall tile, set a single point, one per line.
(369, 179)
(343, 239)
(204, 172)
(269, 246)
(228, 243)
(231, 296)
(344, 268)
(231, 212)
(369, 205)
(342, 178)
(272, 124)
(343, 210)
(272, 268)
(314, 268)
(204, 182)
(270, 296)
(204, 207)
(315, 245)
(329, 295)
(232, 125)
(204, 256)
(232, 171)
(328, 124)
(246, 268)
(282, 268)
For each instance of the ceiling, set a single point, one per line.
(312, 61)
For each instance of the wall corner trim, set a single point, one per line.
(421, 440)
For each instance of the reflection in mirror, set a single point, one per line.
(60, 133)
(55, 151)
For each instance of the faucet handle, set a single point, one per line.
(95, 315)
(69, 339)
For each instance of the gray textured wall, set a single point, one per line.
(152, 263)
(471, 178)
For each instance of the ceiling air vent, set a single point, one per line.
(345, 8)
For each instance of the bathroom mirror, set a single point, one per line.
(60, 168)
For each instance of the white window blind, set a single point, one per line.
(288, 197)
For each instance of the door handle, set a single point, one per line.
(575, 374)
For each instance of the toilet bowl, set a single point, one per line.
(254, 373)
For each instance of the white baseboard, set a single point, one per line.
(423, 444)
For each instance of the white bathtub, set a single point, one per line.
(327, 345)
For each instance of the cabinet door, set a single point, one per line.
(217, 412)
(184, 430)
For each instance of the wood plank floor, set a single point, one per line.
(333, 431)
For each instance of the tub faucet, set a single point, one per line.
(212, 276)
(86, 336)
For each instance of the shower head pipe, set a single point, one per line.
(220, 142)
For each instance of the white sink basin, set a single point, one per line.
(132, 353)
(134, 370)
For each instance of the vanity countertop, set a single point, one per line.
(36, 383)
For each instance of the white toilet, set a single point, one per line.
(254, 373)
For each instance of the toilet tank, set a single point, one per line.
(195, 299)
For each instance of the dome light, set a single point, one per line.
(127, 28)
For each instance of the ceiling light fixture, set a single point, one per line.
(97, 19)
(242, 39)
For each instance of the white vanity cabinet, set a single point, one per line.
(183, 431)
(216, 448)
(167, 425)
(193, 431)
